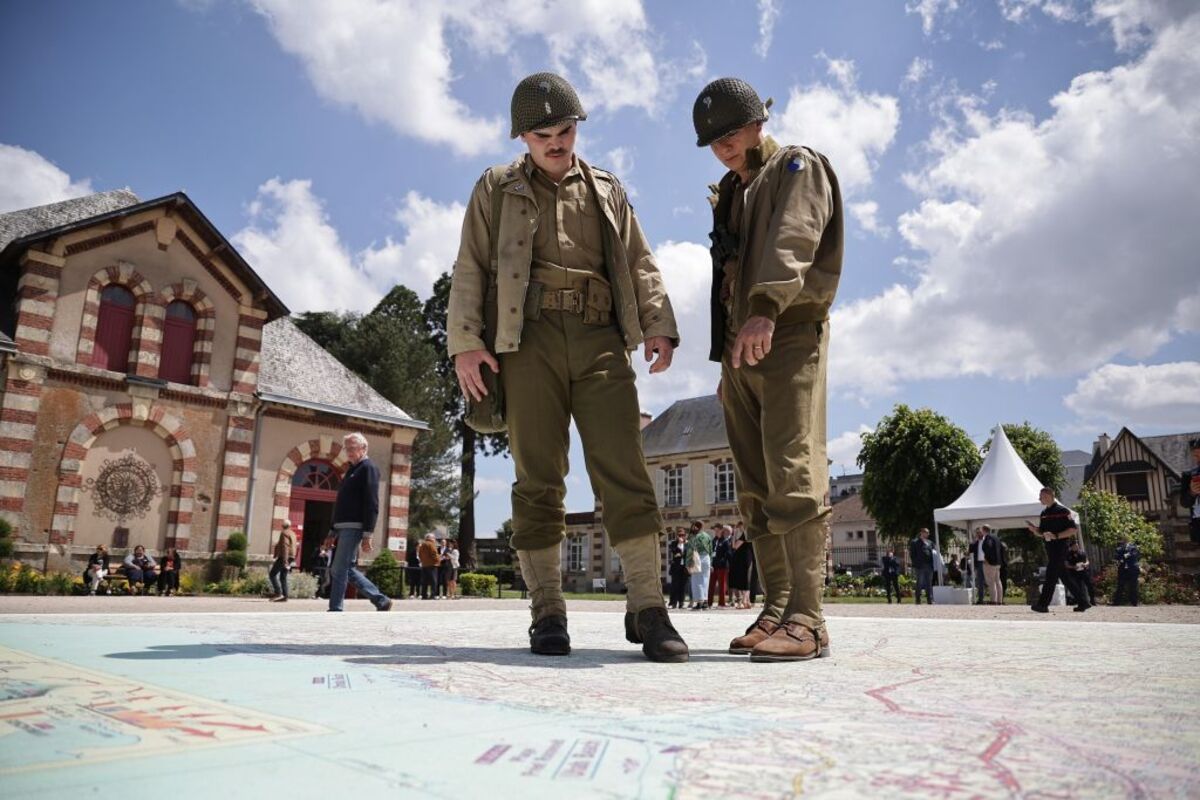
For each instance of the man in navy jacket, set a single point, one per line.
(354, 516)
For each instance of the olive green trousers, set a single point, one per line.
(567, 370)
(775, 420)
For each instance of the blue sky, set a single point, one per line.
(1019, 174)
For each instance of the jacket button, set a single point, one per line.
(516, 276)
(512, 310)
(520, 243)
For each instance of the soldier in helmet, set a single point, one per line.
(777, 258)
(553, 284)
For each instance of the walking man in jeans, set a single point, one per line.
(285, 559)
(354, 516)
(920, 553)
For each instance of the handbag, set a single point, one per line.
(693, 563)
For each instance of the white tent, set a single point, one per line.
(1003, 495)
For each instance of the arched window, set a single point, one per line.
(318, 475)
(179, 341)
(114, 329)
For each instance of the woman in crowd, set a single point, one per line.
(170, 566)
(677, 570)
(97, 568)
(449, 568)
(739, 572)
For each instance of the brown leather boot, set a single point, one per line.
(758, 632)
(793, 641)
(652, 629)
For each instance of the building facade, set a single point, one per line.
(154, 392)
(1147, 471)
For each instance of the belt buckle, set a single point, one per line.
(570, 300)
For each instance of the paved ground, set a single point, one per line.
(443, 700)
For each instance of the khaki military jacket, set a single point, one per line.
(640, 300)
(790, 234)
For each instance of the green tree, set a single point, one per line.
(1106, 517)
(1039, 451)
(453, 413)
(913, 462)
(390, 349)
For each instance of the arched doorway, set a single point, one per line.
(314, 490)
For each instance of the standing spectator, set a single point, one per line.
(739, 571)
(990, 547)
(721, 558)
(285, 559)
(140, 569)
(449, 568)
(676, 568)
(891, 576)
(1056, 527)
(1189, 493)
(412, 572)
(978, 559)
(427, 554)
(1003, 570)
(701, 545)
(920, 554)
(1128, 568)
(97, 569)
(171, 565)
(321, 570)
(354, 516)
(1077, 562)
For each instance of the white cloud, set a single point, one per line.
(853, 128)
(930, 10)
(429, 247)
(687, 273)
(1132, 22)
(768, 15)
(291, 242)
(393, 60)
(27, 179)
(866, 214)
(1047, 247)
(1019, 10)
(918, 71)
(1140, 395)
(619, 161)
(843, 449)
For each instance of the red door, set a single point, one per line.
(296, 515)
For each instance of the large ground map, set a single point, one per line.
(450, 704)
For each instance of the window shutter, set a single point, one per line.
(660, 485)
(710, 484)
(687, 485)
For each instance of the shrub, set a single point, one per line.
(302, 586)
(58, 583)
(235, 558)
(6, 545)
(255, 583)
(27, 581)
(223, 586)
(236, 541)
(386, 573)
(474, 584)
(506, 574)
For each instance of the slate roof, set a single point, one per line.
(1173, 449)
(21, 229)
(25, 222)
(850, 510)
(297, 371)
(688, 426)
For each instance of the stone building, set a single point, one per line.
(154, 391)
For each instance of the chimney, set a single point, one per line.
(646, 420)
(1101, 446)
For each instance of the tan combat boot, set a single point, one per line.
(542, 572)
(801, 634)
(646, 620)
(771, 563)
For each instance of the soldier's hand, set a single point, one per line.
(666, 351)
(467, 368)
(753, 341)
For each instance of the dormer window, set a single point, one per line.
(114, 329)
